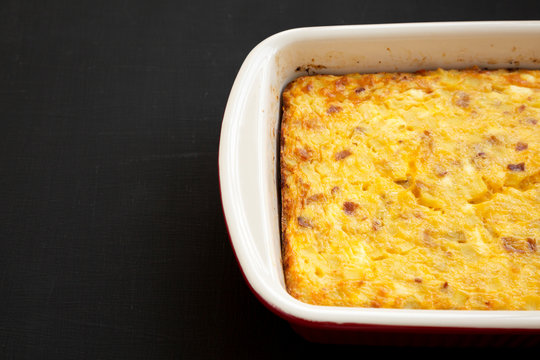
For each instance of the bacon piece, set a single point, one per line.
(303, 154)
(493, 140)
(302, 221)
(315, 198)
(333, 109)
(350, 207)
(519, 246)
(520, 146)
(404, 183)
(516, 167)
(532, 244)
(342, 154)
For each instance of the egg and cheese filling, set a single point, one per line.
(413, 190)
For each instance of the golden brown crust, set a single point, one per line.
(412, 190)
(285, 200)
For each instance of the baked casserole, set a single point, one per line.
(413, 190)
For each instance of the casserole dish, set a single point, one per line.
(249, 165)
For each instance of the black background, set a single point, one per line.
(112, 238)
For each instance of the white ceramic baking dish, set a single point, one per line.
(249, 154)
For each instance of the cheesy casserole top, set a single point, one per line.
(413, 190)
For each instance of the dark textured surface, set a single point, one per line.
(112, 239)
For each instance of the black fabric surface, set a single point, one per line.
(112, 239)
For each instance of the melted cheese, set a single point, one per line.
(413, 190)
